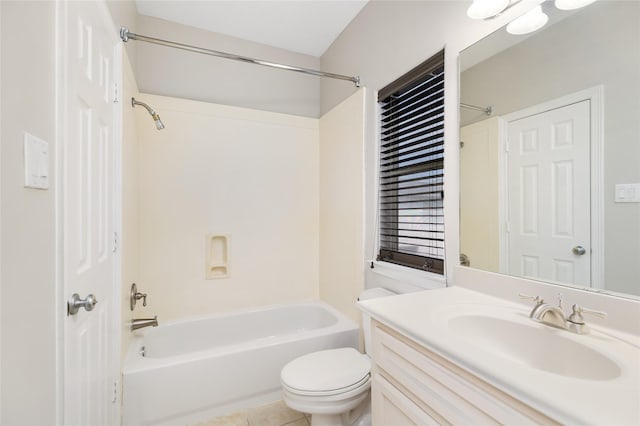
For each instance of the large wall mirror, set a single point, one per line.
(550, 157)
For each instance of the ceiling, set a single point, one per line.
(303, 26)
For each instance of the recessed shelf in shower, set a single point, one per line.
(217, 260)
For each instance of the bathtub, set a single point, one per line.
(188, 371)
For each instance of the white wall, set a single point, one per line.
(172, 72)
(227, 170)
(341, 204)
(28, 292)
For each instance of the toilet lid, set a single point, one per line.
(330, 370)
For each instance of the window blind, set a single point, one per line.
(411, 228)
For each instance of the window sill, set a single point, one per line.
(414, 277)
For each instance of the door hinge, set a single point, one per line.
(115, 242)
(506, 145)
(116, 92)
(114, 398)
(508, 226)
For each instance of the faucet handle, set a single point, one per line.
(134, 296)
(576, 315)
(537, 299)
(142, 296)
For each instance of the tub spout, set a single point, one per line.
(144, 322)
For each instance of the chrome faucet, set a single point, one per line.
(546, 313)
(144, 322)
(554, 316)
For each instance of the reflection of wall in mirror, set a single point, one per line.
(599, 45)
(479, 186)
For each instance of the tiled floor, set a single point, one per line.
(276, 414)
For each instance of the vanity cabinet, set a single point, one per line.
(412, 385)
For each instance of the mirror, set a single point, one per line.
(550, 176)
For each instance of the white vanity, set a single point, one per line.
(456, 356)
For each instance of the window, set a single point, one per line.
(411, 228)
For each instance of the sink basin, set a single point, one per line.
(535, 345)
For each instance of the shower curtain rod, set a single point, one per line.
(488, 110)
(126, 35)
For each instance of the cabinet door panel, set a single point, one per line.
(448, 392)
(392, 407)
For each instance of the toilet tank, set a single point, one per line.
(372, 293)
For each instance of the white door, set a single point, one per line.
(88, 66)
(549, 195)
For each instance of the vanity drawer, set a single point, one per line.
(440, 386)
(392, 407)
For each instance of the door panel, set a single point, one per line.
(87, 45)
(549, 213)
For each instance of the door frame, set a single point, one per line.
(595, 96)
(61, 94)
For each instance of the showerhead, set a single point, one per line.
(154, 115)
(159, 123)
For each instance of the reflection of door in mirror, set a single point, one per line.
(592, 54)
(548, 230)
(479, 215)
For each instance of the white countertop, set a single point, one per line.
(423, 317)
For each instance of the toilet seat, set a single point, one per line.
(326, 373)
(364, 382)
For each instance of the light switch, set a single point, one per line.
(36, 162)
(627, 193)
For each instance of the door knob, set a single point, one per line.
(75, 303)
(578, 250)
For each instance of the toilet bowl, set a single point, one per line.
(333, 385)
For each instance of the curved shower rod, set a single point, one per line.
(126, 35)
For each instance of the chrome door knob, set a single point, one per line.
(578, 250)
(75, 303)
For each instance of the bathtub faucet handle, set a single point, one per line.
(135, 296)
(142, 296)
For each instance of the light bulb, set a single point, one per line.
(483, 9)
(572, 4)
(529, 22)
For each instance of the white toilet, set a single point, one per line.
(333, 385)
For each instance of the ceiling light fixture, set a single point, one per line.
(529, 22)
(572, 4)
(486, 9)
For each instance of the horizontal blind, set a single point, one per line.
(411, 229)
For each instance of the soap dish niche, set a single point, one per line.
(217, 260)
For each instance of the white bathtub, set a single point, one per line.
(197, 369)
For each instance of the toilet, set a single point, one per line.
(333, 385)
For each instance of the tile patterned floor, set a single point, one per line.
(276, 414)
